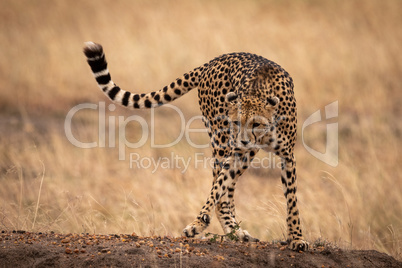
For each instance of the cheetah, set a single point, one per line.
(247, 104)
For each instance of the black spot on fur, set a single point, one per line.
(148, 103)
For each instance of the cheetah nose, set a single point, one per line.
(245, 142)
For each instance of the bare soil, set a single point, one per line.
(23, 249)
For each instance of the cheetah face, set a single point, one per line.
(252, 119)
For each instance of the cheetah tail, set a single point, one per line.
(97, 61)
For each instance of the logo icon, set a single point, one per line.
(330, 156)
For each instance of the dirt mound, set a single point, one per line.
(21, 249)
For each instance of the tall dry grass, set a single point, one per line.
(346, 51)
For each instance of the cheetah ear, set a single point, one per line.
(272, 102)
(231, 98)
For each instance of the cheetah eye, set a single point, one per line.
(256, 125)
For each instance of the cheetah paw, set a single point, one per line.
(197, 226)
(244, 236)
(299, 245)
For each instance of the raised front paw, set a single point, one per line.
(197, 226)
(299, 245)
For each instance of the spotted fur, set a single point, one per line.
(248, 104)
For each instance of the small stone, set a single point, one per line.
(220, 258)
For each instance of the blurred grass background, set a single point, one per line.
(346, 51)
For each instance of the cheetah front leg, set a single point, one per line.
(227, 176)
(225, 209)
(288, 177)
(221, 198)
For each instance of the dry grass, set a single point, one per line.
(347, 51)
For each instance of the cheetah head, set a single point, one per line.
(252, 118)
